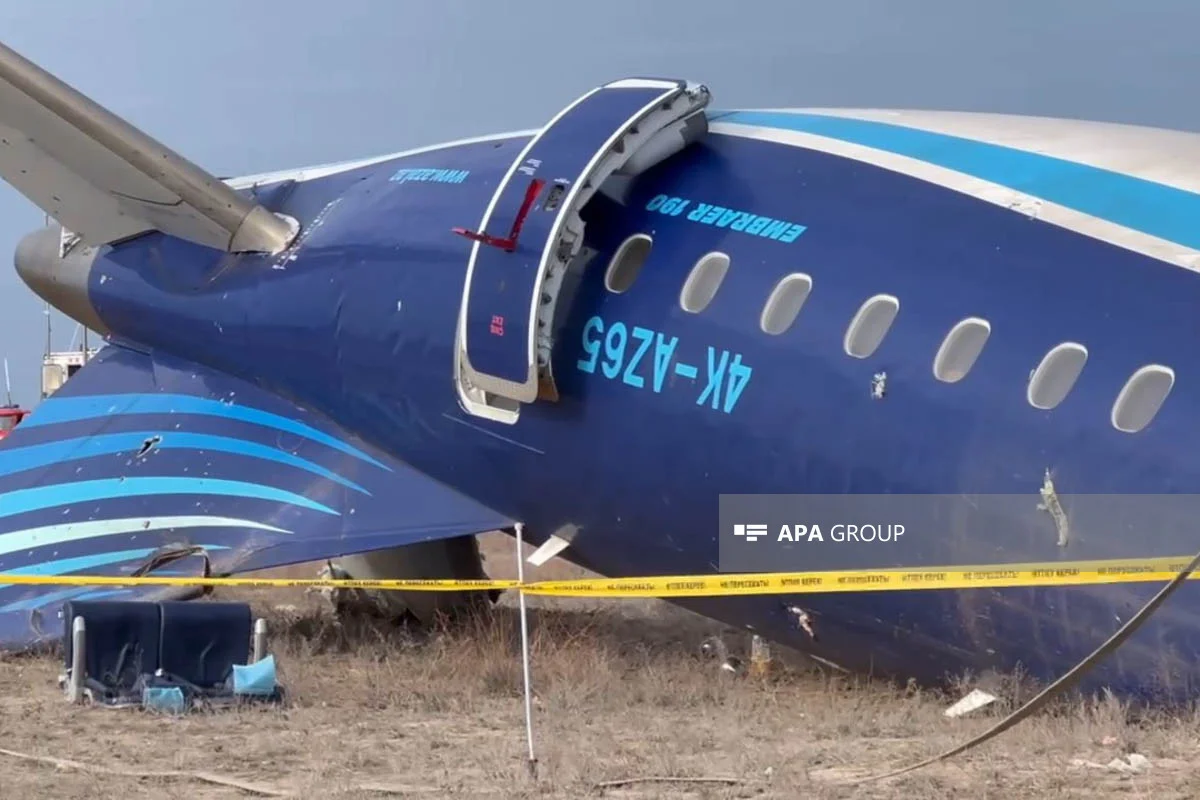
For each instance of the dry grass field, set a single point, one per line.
(621, 694)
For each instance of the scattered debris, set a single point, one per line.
(559, 541)
(760, 656)
(345, 602)
(665, 779)
(258, 789)
(1053, 507)
(803, 619)
(831, 664)
(1134, 761)
(203, 777)
(1131, 764)
(879, 385)
(714, 647)
(974, 701)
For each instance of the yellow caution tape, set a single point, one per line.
(993, 576)
(411, 584)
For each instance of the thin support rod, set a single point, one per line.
(520, 527)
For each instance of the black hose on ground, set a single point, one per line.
(1065, 682)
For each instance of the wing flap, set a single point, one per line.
(105, 180)
(138, 456)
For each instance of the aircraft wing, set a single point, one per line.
(140, 459)
(105, 180)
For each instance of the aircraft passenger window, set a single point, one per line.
(702, 284)
(960, 349)
(785, 303)
(1142, 397)
(870, 325)
(627, 263)
(1055, 376)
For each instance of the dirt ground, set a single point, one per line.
(621, 693)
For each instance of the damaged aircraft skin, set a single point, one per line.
(590, 324)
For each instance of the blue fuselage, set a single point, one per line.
(662, 410)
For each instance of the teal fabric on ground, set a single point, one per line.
(163, 698)
(257, 678)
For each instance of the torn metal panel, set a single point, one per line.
(1051, 505)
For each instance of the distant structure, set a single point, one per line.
(58, 366)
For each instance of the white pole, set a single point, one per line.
(520, 527)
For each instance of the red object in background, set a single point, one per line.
(10, 417)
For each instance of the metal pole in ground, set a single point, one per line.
(532, 763)
(75, 681)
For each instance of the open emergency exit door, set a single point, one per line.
(531, 231)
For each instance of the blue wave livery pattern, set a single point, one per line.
(138, 456)
(747, 348)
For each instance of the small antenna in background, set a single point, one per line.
(7, 384)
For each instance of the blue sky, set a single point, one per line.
(242, 86)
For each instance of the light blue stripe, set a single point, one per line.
(14, 541)
(19, 459)
(61, 494)
(1152, 208)
(73, 409)
(53, 597)
(90, 595)
(67, 566)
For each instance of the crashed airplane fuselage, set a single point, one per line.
(604, 325)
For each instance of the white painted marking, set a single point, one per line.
(1160, 155)
(641, 83)
(16, 541)
(1119, 235)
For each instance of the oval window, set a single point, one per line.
(1056, 375)
(785, 303)
(703, 282)
(1141, 398)
(870, 325)
(627, 263)
(960, 349)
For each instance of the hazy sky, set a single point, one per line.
(242, 86)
